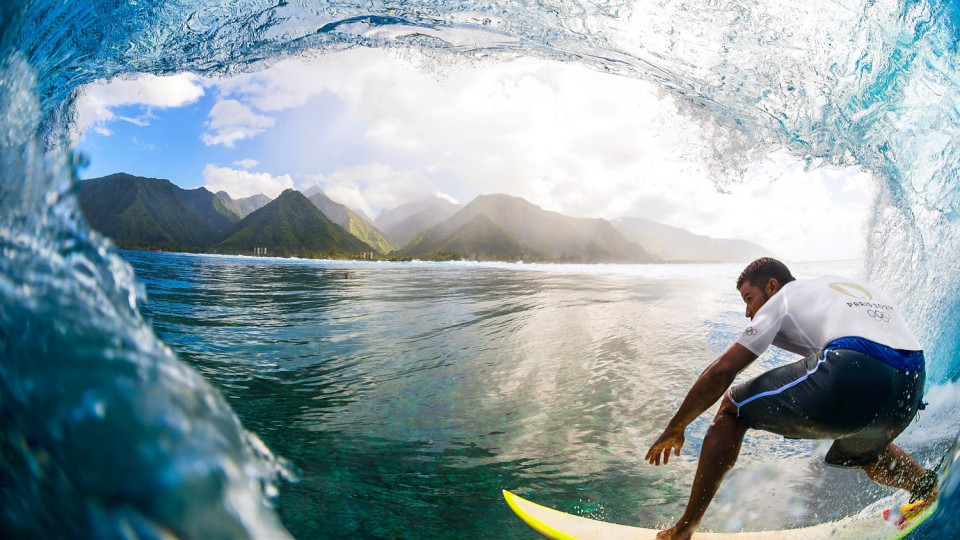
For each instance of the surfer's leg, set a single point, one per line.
(894, 467)
(721, 446)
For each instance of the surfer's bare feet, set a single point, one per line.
(676, 533)
(925, 488)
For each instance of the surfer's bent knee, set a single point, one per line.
(728, 407)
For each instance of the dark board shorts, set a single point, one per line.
(858, 400)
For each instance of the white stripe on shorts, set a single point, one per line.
(782, 388)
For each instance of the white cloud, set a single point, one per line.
(368, 188)
(241, 184)
(140, 121)
(803, 215)
(350, 195)
(447, 197)
(529, 128)
(563, 136)
(231, 121)
(285, 85)
(294, 82)
(94, 107)
(246, 163)
(589, 144)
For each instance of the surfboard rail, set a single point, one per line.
(559, 525)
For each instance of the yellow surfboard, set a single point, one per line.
(913, 515)
(561, 526)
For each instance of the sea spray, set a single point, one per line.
(871, 83)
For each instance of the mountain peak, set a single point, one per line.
(674, 244)
(153, 212)
(392, 216)
(313, 190)
(402, 223)
(504, 227)
(291, 225)
(350, 220)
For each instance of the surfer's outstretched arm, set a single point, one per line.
(710, 385)
(721, 446)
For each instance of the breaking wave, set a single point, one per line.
(84, 383)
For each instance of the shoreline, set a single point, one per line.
(383, 258)
(656, 271)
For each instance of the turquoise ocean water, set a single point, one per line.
(177, 399)
(405, 396)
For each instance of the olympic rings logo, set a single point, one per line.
(878, 315)
(750, 331)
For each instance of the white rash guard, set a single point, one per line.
(806, 315)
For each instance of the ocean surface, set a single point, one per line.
(405, 396)
(178, 395)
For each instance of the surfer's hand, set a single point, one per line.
(670, 440)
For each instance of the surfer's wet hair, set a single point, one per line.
(761, 270)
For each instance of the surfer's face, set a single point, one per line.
(755, 297)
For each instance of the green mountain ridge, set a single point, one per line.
(480, 238)
(351, 221)
(151, 212)
(213, 209)
(291, 225)
(245, 206)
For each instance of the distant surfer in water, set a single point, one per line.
(860, 383)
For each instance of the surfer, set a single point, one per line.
(860, 383)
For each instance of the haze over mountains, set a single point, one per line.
(501, 227)
(148, 213)
(402, 223)
(679, 245)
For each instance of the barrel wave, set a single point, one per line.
(104, 424)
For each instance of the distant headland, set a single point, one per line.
(156, 214)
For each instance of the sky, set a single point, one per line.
(379, 128)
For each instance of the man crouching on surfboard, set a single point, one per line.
(859, 383)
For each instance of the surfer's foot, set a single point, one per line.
(677, 533)
(926, 488)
